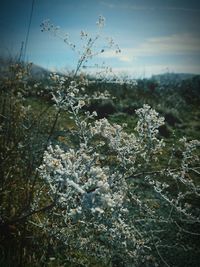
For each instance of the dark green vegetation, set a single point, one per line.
(29, 123)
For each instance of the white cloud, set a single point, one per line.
(123, 56)
(177, 44)
(150, 8)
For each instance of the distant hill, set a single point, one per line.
(172, 77)
(37, 72)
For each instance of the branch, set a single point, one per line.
(24, 217)
(165, 170)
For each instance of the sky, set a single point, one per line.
(154, 36)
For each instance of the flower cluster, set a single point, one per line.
(93, 194)
(89, 47)
(148, 129)
(101, 22)
(78, 181)
(89, 189)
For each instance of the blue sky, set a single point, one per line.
(154, 36)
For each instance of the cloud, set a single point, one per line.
(123, 56)
(148, 8)
(181, 9)
(177, 44)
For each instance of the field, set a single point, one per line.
(111, 188)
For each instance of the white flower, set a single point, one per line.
(81, 103)
(101, 22)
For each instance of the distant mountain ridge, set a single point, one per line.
(37, 72)
(173, 77)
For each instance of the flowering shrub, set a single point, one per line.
(93, 192)
(110, 194)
